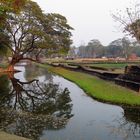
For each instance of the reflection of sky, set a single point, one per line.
(27, 109)
(20, 75)
(92, 120)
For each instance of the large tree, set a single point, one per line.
(121, 47)
(127, 47)
(114, 49)
(31, 31)
(92, 50)
(6, 6)
(130, 21)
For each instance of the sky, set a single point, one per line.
(91, 19)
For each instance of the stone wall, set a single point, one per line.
(131, 78)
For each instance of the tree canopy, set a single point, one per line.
(93, 49)
(31, 31)
(9, 6)
(130, 21)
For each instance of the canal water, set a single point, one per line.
(42, 106)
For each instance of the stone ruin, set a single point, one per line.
(131, 78)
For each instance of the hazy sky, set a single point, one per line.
(91, 19)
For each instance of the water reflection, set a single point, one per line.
(131, 120)
(33, 71)
(128, 126)
(27, 108)
(31, 107)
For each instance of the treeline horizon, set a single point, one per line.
(121, 47)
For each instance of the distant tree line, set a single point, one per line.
(122, 47)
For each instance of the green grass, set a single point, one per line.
(98, 88)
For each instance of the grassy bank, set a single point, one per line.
(98, 88)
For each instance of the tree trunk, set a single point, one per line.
(11, 65)
(10, 68)
(15, 59)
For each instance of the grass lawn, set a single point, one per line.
(98, 88)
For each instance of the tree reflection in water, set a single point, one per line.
(27, 108)
(33, 71)
(128, 125)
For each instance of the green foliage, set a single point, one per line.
(92, 50)
(6, 6)
(32, 32)
(4, 87)
(121, 47)
(4, 41)
(11, 5)
(56, 26)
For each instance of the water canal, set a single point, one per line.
(41, 106)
